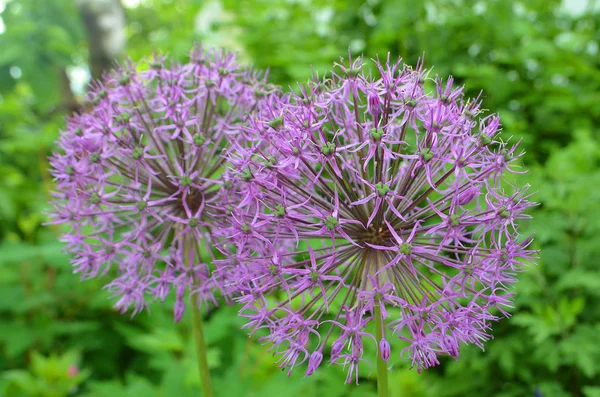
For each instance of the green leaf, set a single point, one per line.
(591, 391)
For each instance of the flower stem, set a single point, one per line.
(201, 351)
(198, 331)
(382, 370)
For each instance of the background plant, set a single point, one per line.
(537, 63)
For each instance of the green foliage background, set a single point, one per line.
(538, 66)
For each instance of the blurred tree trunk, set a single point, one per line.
(69, 102)
(104, 21)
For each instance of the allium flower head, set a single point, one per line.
(139, 174)
(367, 200)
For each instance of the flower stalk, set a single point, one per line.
(198, 330)
(197, 326)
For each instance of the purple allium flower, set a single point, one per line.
(139, 174)
(366, 199)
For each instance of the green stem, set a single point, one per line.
(382, 370)
(201, 351)
(198, 331)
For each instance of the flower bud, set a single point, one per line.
(336, 349)
(384, 350)
(468, 195)
(179, 308)
(72, 371)
(313, 362)
(374, 105)
(451, 347)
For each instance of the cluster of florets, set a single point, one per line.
(139, 175)
(365, 207)
(366, 202)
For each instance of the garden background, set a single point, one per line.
(538, 65)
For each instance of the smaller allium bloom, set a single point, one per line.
(366, 200)
(139, 174)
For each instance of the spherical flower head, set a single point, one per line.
(370, 201)
(139, 174)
